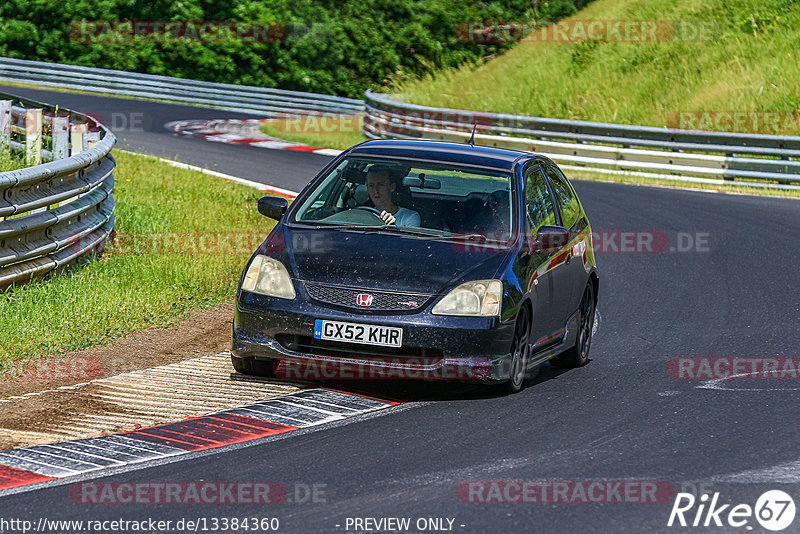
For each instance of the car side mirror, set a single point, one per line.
(272, 207)
(550, 238)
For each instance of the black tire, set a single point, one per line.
(578, 355)
(251, 366)
(520, 353)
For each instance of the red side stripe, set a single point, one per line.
(301, 148)
(273, 192)
(245, 141)
(238, 433)
(264, 427)
(209, 432)
(11, 477)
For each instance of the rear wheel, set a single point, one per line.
(520, 350)
(578, 355)
(251, 366)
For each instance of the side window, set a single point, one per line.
(538, 202)
(566, 199)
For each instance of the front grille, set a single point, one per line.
(381, 300)
(355, 351)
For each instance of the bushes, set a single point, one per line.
(329, 47)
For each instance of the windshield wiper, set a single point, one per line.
(375, 228)
(479, 238)
(328, 226)
(391, 228)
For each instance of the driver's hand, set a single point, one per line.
(387, 217)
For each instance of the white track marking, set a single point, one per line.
(248, 183)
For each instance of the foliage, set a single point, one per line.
(320, 46)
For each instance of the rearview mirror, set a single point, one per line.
(272, 207)
(421, 182)
(551, 238)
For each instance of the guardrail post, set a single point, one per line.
(91, 139)
(59, 128)
(76, 138)
(33, 136)
(5, 123)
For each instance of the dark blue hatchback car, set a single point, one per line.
(421, 260)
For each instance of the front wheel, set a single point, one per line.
(520, 350)
(578, 355)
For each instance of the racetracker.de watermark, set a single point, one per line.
(128, 121)
(316, 123)
(733, 121)
(388, 368)
(202, 492)
(149, 31)
(70, 368)
(603, 242)
(733, 367)
(190, 242)
(316, 243)
(579, 31)
(564, 491)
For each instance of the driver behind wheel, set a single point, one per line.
(380, 187)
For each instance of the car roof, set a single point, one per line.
(458, 153)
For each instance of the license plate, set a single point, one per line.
(366, 334)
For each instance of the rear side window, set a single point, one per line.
(565, 197)
(538, 202)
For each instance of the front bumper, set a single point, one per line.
(472, 349)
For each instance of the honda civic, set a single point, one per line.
(421, 260)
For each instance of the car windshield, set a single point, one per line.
(423, 198)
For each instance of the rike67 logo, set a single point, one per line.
(774, 510)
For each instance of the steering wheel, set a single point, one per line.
(376, 212)
(363, 215)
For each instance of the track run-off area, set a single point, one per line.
(606, 447)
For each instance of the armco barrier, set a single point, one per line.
(736, 158)
(242, 98)
(55, 212)
(597, 146)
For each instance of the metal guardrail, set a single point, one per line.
(645, 151)
(55, 212)
(241, 98)
(735, 158)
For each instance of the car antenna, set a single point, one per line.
(472, 137)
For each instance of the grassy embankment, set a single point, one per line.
(746, 59)
(182, 240)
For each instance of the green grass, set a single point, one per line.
(338, 132)
(9, 161)
(125, 291)
(750, 64)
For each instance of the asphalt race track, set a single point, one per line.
(729, 293)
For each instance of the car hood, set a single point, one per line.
(381, 261)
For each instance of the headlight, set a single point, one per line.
(480, 298)
(268, 276)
